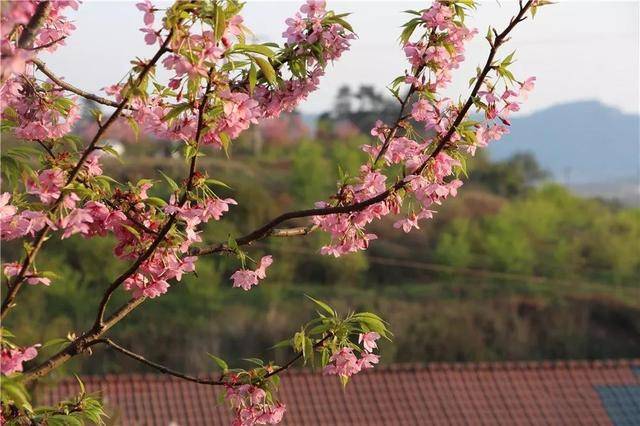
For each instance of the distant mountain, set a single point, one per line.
(579, 143)
(588, 146)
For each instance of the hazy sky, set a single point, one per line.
(578, 50)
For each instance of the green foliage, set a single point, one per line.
(82, 409)
(310, 173)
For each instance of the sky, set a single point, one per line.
(578, 50)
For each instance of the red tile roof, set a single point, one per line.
(507, 393)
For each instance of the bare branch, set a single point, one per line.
(161, 368)
(70, 88)
(46, 45)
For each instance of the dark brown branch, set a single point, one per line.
(30, 31)
(161, 368)
(264, 230)
(70, 88)
(168, 224)
(49, 44)
(210, 382)
(79, 345)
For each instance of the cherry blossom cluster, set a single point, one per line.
(246, 278)
(13, 23)
(344, 362)
(252, 405)
(35, 110)
(245, 98)
(430, 172)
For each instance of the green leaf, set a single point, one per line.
(176, 111)
(343, 23)
(252, 77)
(255, 48)
(267, 69)
(109, 149)
(55, 342)
(319, 329)
(172, 183)
(323, 305)
(255, 361)
(307, 351)
(225, 141)
(282, 344)
(155, 201)
(217, 183)
(220, 22)
(220, 362)
(134, 127)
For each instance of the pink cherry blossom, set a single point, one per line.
(150, 36)
(7, 211)
(265, 262)
(313, 7)
(12, 269)
(246, 279)
(49, 185)
(12, 359)
(407, 223)
(368, 340)
(148, 9)
(368, 360)
(342, 363)
(35, 280)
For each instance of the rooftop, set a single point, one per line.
(505, 393)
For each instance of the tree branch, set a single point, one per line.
(169, 224)
(70, 88)
(45, 45)
(165, 370)
(30, 31)
(100, 327)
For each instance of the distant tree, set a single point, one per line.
(511, 177)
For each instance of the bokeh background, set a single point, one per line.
(537, 258)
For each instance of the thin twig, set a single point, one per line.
(73, 89)
(165, 370)
(45, 45)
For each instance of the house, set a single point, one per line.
(503, 393)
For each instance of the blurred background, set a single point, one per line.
(537, 258)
